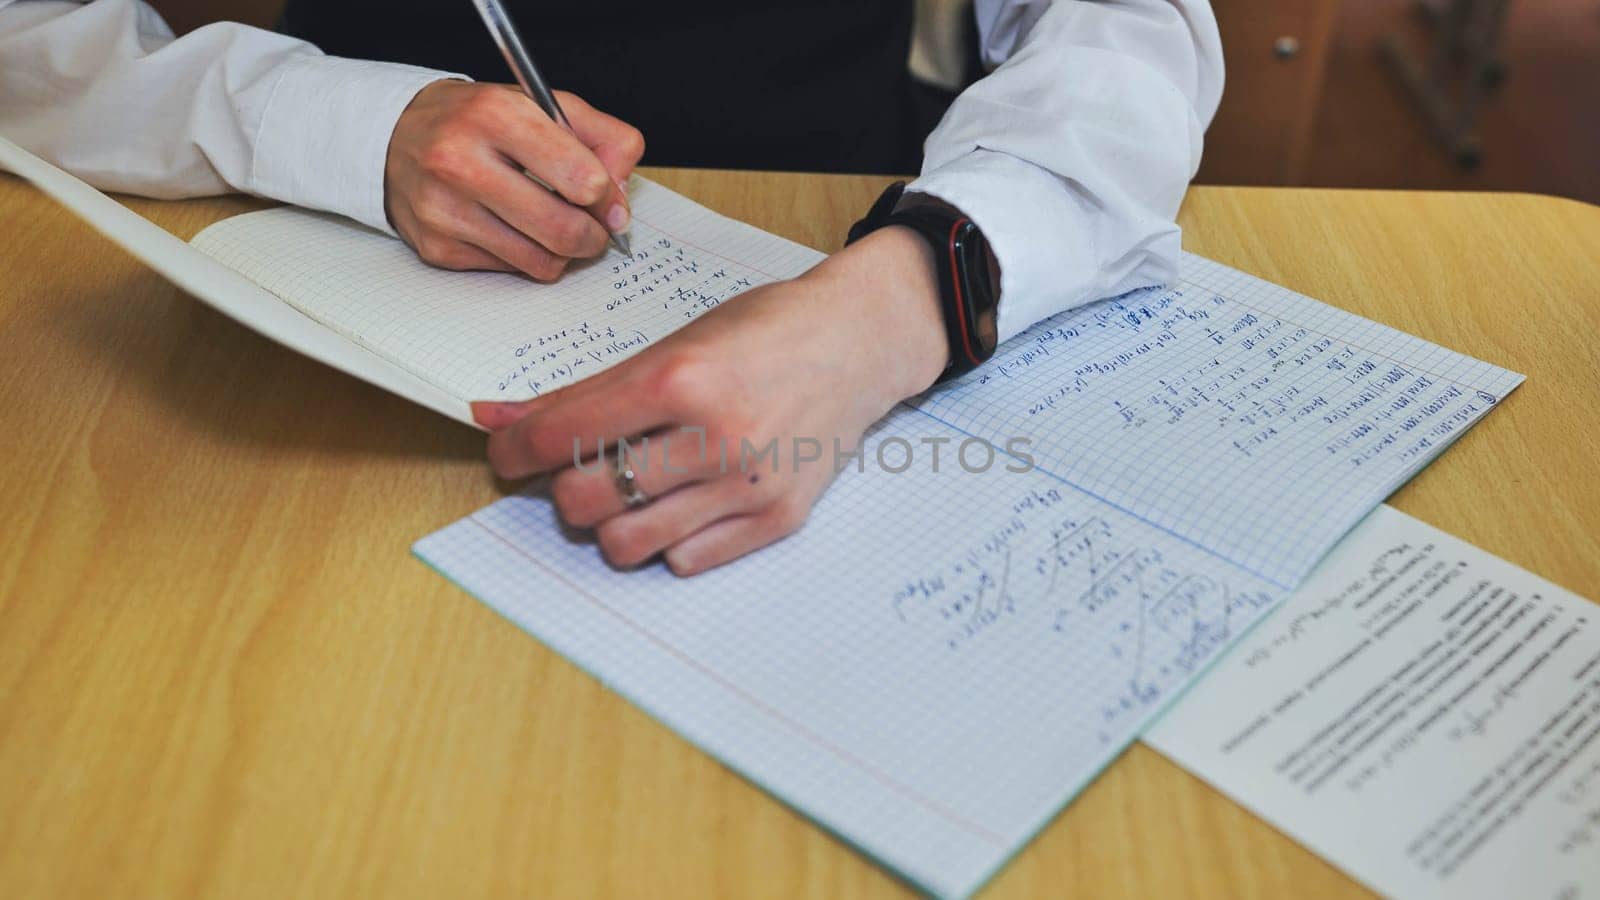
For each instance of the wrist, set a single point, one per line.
(890, 280)
(351, 108)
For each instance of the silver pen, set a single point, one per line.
(510, 43)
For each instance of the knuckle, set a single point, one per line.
(470, 174)
(459, 257)
(441, 157)
(789, 514)
(566, 490)
(487, 101)
(433, 195)
(590, 183)
(432, 249)
(621, 542)
(433, 211)
(544, 267)
(545, 445)
(682, 378)
(565, 235)
(632, 142)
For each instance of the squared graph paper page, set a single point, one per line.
(496, 336)
(931, 692)
(940, 660)
(1237, 414)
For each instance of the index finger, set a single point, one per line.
(618, 145)
(551, 154)
(571, 424)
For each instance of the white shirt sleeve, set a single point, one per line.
(1074, 153)
(105, 91)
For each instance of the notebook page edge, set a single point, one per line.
(221, 288)
(431, 549)
(444, 328)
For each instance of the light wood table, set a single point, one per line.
(221, 674)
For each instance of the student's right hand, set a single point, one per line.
(456, 190)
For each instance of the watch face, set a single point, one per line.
(980, 282)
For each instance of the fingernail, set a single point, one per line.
(617, 217)
(493, 414)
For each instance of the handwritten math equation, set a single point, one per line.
(1089, 580)
(1195, 361)
(663, 286)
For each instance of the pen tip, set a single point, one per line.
(621, 242)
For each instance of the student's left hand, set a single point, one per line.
(815, 359)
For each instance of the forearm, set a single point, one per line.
(1074, 155)
(105, 91)
(884, 291)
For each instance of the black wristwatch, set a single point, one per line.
(969, 278)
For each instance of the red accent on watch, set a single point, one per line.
(960, 299)
(961, 302)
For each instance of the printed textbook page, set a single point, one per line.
(1423, 714)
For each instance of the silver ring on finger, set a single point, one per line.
(627, 481)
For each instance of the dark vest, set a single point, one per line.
(813, 86)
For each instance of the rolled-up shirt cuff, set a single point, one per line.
(1054, 249)
(324, 134)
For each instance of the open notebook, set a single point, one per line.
(495, 336)
(362, 302)
(942, 657)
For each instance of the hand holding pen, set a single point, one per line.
(457, 185)
(507, 38)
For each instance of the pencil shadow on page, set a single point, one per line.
(214, 375)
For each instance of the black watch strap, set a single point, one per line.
(968, 290)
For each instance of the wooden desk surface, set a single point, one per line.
(221, 674)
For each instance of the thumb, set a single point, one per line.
(495, 415)
(618, 145)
